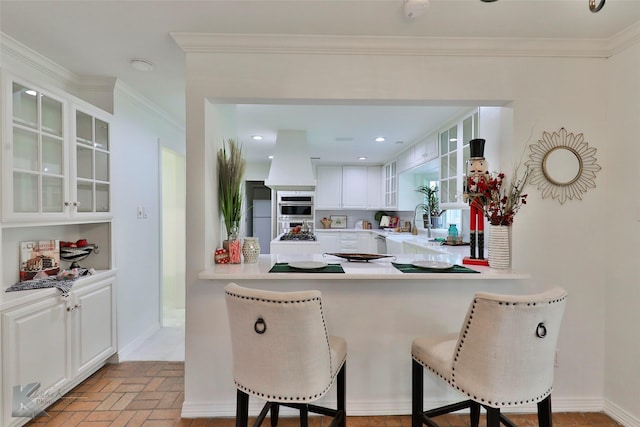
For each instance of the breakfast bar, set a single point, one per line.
(375, 306)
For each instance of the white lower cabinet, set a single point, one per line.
(367, 243)
(56, 342)
(329, 241)
(347, 241)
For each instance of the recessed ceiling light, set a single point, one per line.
(362, 158)
(270, 157)
(256, 138)
(380, 139)
(141, 65)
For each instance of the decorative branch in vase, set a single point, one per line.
(231, 167)
(501, 201)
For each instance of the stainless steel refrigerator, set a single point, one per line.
(262, 223)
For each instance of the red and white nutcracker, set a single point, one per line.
(477, 177)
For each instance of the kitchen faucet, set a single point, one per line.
(415, 212)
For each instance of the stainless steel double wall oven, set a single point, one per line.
(295, 208)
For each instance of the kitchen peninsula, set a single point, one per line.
(374, 306)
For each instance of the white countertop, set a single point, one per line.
(380, 269)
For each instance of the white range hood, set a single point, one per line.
(291, 165)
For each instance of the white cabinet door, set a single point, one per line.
(354, 187)
(329, 241)
(57, 163)
(91, 189)
(94, 326)
(35, 163)
(349, 242)
(405, 160)
(329, 187)
(367, 243)
(374, 187)
(35, 349)
(390, 186)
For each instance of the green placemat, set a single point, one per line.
(409, 268)
(283, 267)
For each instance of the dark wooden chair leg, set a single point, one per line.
(242, 409)
(493, 417)
(304, 416)
(342, 394)
(417, 384)
(544, 412)
(475, 414)
(275, 411)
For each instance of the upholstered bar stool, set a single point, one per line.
(502, 357)
(283, 354)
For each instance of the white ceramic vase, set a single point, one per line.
(500, 246)
(251, 250)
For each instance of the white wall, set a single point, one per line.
(137, 133)
(558, 244)
(621, 216)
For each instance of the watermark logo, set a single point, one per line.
(27, 402)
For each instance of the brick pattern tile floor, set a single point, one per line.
(150, 394)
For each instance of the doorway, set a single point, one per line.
(259, 215)
(173, 238)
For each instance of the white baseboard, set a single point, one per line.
(129, 349)
(620, 415)
(227, 409)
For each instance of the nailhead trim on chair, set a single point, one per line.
(451, 381)
(269, 397)
(326, 334)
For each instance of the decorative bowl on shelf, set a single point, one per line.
(73, 255)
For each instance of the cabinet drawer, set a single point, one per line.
(344, 237)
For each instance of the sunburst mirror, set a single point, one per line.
(562, 165)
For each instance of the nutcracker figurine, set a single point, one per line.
(477, 177)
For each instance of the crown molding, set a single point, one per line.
(16, 54)
(406, 46)
(625, 39)
(134, 96)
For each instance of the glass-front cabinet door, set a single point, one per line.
(36, 155)
(56, 161)
(92, 164)
(454, 155)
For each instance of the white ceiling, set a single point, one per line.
(100, 37)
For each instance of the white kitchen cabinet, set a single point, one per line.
(418, 154)
(35, 349)
(94, 326)
(390, 185)
(405, 160)
(329, 241)
(349, 242)
(354, 187)
(329, 187)
(92, 159)
(57, 341)
(454, 154)
(374, 187)
(56, 157)
(426, 150)
(348, 187)
(367, 243)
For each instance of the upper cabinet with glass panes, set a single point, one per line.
(454, 154)
(93, 188)
(56, 157)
